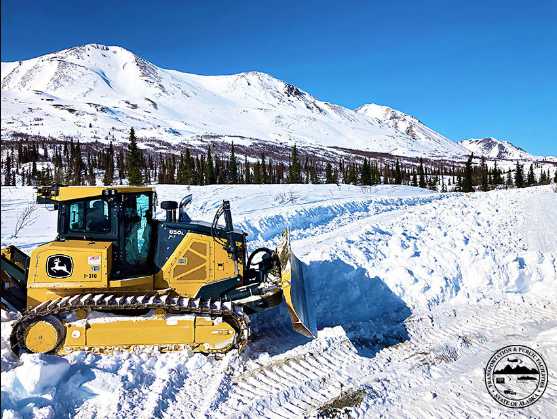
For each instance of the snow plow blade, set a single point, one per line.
(296, 290)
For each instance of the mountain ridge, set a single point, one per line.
(97, 92)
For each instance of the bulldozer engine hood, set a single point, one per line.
(169, 235)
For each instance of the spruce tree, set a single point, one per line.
(221, 174)
(233, 166)
(108, 177)
(147, 168)
(531, 179)
(263, 178)
(257, 172)
(306, 170)
(79, 165)
(365, 174)
(91, 178)
(188, 172)
(329, 173)
(270, 172)
(196, 175)
(294, 170)
(509, 181)
(496, 175)
(398, 173)
(247, 171)
(421, 174)
(484, 175)
(134, 161)
(210, 178)
(181, 175)
(467, 185)
(519, 176)
(543, 178)
(162, 172)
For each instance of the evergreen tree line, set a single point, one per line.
(71, 165)
(484, 178)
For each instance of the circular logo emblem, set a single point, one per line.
(516, 376)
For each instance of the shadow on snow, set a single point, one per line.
(369, 312)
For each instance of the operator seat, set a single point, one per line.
(97, 222)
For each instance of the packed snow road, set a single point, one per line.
(413, 292)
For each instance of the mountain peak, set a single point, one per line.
(88, 51)
(382, 112)
(494, 148)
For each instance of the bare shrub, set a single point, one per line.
(26, 218)
(287, 198)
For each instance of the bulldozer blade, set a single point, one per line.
(296, 290)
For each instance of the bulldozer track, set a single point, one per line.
(231, 313)
(295, 386)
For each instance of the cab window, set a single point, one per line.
(137, 217)
(89, 216)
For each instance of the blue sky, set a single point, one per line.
(467, 68)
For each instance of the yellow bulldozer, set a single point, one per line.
(116, 277)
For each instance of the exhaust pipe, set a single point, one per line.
(170, 208)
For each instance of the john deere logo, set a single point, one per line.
(59, 266)
(516, 376)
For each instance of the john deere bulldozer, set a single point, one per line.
(116, 277)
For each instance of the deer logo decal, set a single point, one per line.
(59, 266)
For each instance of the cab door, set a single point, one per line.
(134, 251)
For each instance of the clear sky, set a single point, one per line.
(471, 68)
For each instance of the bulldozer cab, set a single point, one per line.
(121, 215)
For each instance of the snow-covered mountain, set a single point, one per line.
(93, 91)
(495, 149)
(406, 125)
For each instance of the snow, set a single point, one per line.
(413, 292)
(94, 91)
(499, 149)
(41, 373)
(423, 137)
